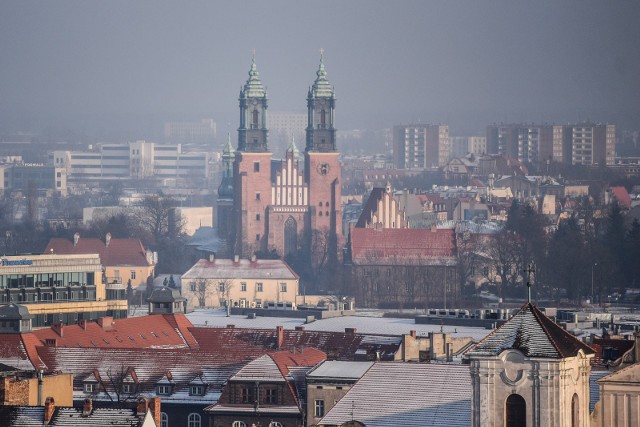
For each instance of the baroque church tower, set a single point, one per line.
(322, 165)
(252, 168)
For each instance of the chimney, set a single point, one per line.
(142, 406)
(253, 258)
(154, 407)
(83, 324)
(413, 334)
(105, 322)
(76, 237)
(230, 326)
(236, 258)
(212, 258)
(107, 239)
(299, 328)
(280, 336)
(49, 409)
(87, 408)
(58, 328)
(50, 342)
(349, 330)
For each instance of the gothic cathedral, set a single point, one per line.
(276, 206)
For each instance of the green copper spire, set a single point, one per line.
(254, 87)
(321, 87)
(293, 148)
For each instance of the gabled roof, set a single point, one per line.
(129, 252)
(243, 269)
(262, 369)
(393, 394)
(20, 351)
(402, 246)
(155, 331)
(630, 374)
(532, 333)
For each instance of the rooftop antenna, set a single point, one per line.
(529, 270)
(321, 54)
(253, 55)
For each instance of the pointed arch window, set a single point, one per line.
(323, 119)
(290, 236)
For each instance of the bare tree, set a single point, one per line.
(223, 289)
(119, 384)
(202, 290)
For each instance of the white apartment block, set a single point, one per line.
(134, 160)
(593, 144)
(420, 146)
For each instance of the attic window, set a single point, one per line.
(90, 387)
(118, 339)
(163, 390)
(196, 390)
(128, 388)
(155, 335)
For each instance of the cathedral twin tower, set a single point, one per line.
(267, 206)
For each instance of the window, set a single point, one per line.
(243, 287)
(257, 237)
(163, 389)
(515, 411)
(271, 395)
(257, 196)
(221, 286)
(256, 166)
(128, 388)
(246, 395)
(90, 387)
(318, 410)
(257, 217)
(275, 424)
(133, 274)
(196, 390)
(194, 420)
(258, 287)
(164, 419)
(238, 424)
(283, 287)
(192, 287)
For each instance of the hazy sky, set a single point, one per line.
(466, 63)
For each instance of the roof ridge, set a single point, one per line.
(490, 334)
(537, 313)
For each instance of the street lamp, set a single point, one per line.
(592, 294)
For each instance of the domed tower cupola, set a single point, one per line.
(14, 319)
(253, 133)
(225, 190)
(321, 100)
(166, 301)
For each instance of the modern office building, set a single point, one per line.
(25, 177)
(134, 160)
(418, 146)
(60, 288)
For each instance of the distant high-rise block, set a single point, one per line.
(418, 146)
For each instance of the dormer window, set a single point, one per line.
(90, 387)
(163, 390)
(196, 390)
(128, 388)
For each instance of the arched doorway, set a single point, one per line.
(290, 236)
(515, 411)
(575, 411)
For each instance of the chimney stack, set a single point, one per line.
(236, 258)
(58, 328)
(76, 237)
(154, 407)
(88, 408)
(413, 334)
(83, 324)
(280, 336)
(142, 406)
(49, 409)
(107, 239)
(212, 258)
(105, 322)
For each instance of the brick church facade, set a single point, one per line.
(282, 206)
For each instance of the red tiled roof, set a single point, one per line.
(20, 350)
(155, 331)
(128, 252)
(401, 245)
(308, 357)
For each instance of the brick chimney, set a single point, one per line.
(58, 328)
(280, 336)
(143, 405)
(154, 407)
(105, 322)
(49, 409)
(87, 409)
(83, 324)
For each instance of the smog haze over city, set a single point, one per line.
(97, 67)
